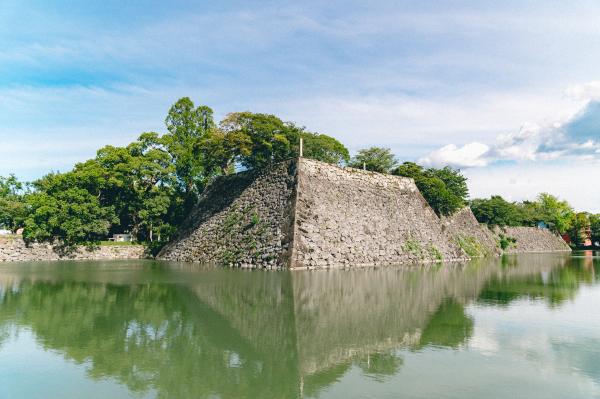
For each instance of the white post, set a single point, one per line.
(301, 146)
(364, 166)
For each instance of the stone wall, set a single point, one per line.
(532, 239)
(243, 220)
(351, 217)
(305, 213)
(477, 240)
(14, 249)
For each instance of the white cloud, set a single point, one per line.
(555, 139)
(469, 155)
(586, 91)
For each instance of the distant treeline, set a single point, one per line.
(147, 187)
(546, 211)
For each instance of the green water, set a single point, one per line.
(517, 327)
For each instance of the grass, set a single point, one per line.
(430, 252)
(435, 253)
(506, 241)
(471, 246)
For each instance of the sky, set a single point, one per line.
(509, 92)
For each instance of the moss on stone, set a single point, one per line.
(471, 246)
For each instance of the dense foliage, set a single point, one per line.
(12, 205)
(444, 189)
(547, 210)
(595, 227)
(497, 211)
(375, 159)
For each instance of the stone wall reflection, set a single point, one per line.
(194, 332)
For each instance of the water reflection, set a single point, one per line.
(181, 331)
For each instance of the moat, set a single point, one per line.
(516, 326)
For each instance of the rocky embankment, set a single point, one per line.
(531, 240)
(308, 214)
(14, 249)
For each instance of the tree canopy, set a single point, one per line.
(188, 125)
(595, 227)
(376, 159)
(557, 214)
(12, 206)
(497, 211)
(444, 189)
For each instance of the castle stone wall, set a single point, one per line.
(14, 249)
(351, 217)
(476, 239)
(303, 213)
(243, 220)
(532, 239)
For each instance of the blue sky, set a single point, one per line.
(508, 91)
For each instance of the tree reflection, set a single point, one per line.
(234, 334)
(148, 337)
(380, 365)
(555, 286)
(449, 327)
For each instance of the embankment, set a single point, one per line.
(14, 249)
(476, 239)
(531, 240)
(303, 213)
(307, 214)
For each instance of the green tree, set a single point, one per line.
(262, 139)
(324, 148)
(554, 212)
(12, 204)
(580, 225)
(137, 183)
(68, 217)
(530, 214)
(258, 140)
(375, 159)
(188, 125)
(444, 189)
(595, 227)
(455, 182)
(496, 211)
(222, 148)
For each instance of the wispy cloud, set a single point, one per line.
(575, 137)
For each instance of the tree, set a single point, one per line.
(259, 140)
(530, 214)
(444, 189)
(324, 148)
(554, 212)
(262, 139)
(496, 211)
(12, 204)
(595, 227)
(580, 225)
(136, 185)
(455, 182)
(70, 217)
(557, 214)
(187, 126)
(222, 148)
(375, 159)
